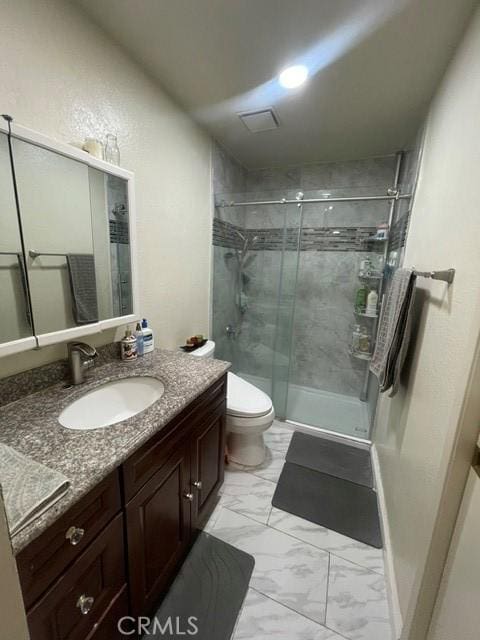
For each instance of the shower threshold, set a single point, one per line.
(333, 414)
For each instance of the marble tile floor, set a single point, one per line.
(309, 583)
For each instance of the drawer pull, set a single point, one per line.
(188, 496)
(85, 603)
(74, 535)
(197, 484)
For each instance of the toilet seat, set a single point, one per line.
(246, 425)
(246, 401)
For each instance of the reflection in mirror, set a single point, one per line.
(111, 239)
(54, 199)
(14, 315)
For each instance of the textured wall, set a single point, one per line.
(62, 76)
(416, 431)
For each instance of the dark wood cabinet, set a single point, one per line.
(44, 559)
(80, 599)
(207, 459)
(130, 548)
(158, 530)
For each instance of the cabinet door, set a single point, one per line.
(207, 464)
(158, 529)
(78, 602)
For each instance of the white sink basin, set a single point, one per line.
(111, 403)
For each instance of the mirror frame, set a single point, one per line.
(69, 151)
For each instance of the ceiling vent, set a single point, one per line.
(257, 121)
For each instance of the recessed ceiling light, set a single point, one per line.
(293, 77)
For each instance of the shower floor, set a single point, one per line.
(335, 412)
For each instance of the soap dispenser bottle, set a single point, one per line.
(147, 337)
(128, 346)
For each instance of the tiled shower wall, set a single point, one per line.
(229, 179)
(332, 245)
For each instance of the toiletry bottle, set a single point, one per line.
(372, 301)
(128, 346)
(139, 339)
(147, 337)
(365, 267)
(361, 299)
(364, 341)
(356, 338)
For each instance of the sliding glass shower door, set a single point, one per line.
(328, 378)
(255, 265)
(287, 283)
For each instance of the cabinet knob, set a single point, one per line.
(85, 603)
(197, 484)
(188, 496)
(74, 535)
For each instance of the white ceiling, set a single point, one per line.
(375, 65)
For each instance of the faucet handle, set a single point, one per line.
(83, 347)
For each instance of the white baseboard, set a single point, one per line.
(392, 592)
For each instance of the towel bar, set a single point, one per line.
(446, 276)
(35, 254)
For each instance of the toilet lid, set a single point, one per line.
(243, 399)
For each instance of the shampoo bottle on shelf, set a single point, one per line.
(361, 299)
(147, 337)
(372, 301)
(356, 335)
(364, 341)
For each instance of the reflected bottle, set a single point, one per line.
(112, 152)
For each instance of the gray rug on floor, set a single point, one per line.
(348, 508)
(335, 459)
(210, 587)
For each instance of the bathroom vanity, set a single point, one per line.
(140, 491)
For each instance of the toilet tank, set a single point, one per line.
(207, 351)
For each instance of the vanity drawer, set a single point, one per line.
(80, 603)
(145, 462)
(46, 557)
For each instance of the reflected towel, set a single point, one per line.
(81, 270)
(394, 331)
(28, 488)
(24, 281)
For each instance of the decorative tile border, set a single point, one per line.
(398, 233)
(229, 236)
(118, 232)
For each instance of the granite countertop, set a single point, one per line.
(30, 425)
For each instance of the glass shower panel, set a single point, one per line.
(228, 239)
(255, 258)
(326, 381)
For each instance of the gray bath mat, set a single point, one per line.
(209, 591)
(339, 460)
(348, 508)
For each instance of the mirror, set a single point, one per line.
(75, 221)
(15, 322)
(54, 200)
(111, 242)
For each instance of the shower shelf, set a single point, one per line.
(372, 276)
(360, 356)
(365, 315)
(374, 239)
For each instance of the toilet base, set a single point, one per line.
(247, 450)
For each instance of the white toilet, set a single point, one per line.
(250, 412)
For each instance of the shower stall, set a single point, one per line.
(292, 272)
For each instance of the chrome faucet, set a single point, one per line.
(76, 364)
